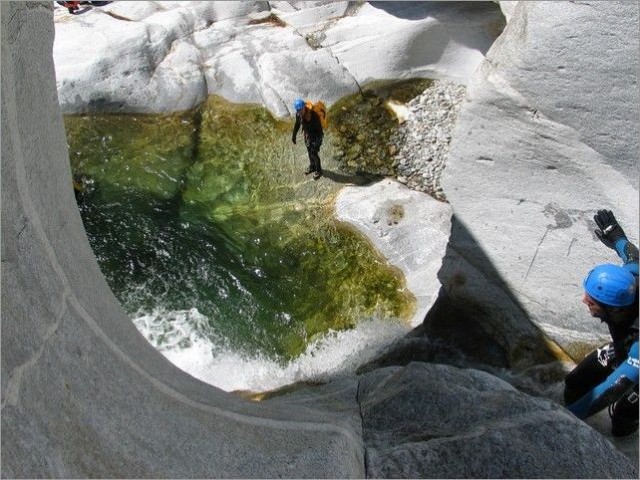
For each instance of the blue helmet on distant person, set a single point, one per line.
(611, 285)
(298, 104)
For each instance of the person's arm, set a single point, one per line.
(611, 234)
(619, 382)
(628, 252)
(296, 127)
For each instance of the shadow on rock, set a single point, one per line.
(477, 322)
(360, 178)
(449, 13)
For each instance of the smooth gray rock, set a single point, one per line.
(83, 393)
(435, 421)
(168, 56)
(548, 135)
(508, 8)
(409, 228)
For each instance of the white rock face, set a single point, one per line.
(409, 228)
(548, 136)
(168, 56)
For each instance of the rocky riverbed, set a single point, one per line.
(423, 138)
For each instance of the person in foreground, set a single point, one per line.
(309, 119)
(608, 376)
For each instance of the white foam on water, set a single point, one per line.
(180, 336)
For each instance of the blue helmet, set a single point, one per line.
(298, 104)
(611, 285)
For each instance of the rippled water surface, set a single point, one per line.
(213, 239)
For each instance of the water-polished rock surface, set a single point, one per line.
(168, 56)
(84, 395)
(436, 421)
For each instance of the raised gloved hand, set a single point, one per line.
(608, 231)
(293, 139)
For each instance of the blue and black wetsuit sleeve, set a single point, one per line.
(613, 388)
(628, 252)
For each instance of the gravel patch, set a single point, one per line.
(422, 141)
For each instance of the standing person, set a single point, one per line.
(608, 376)
(313, 135)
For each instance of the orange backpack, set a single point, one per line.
(321, 110)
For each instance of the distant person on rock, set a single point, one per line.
(73, 7)
(608, 376)
(311, 119)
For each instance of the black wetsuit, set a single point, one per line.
(595, 369)
(313, 135)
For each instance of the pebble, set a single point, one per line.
(422, 141)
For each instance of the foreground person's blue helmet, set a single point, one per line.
(611, 285)
(298, 104)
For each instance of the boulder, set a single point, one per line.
(437, 421)
(385, 40)
(547, 136)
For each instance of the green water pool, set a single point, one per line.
(210, 210)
